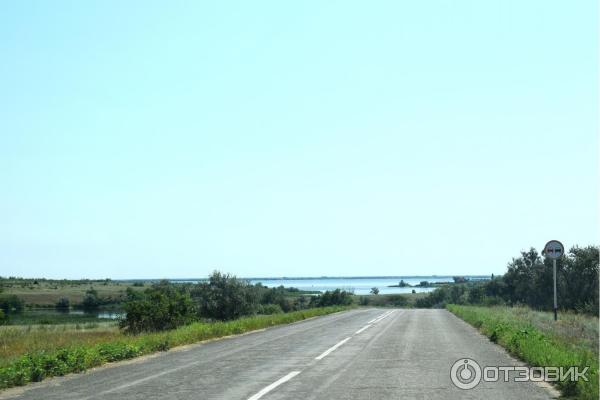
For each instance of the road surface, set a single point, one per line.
(359, 354)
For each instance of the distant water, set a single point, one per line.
(357, 285)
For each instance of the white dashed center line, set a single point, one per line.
(274, 385)
(320, 357)
(364, 328)
(331, 349)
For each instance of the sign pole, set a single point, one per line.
(554, 250)
(555, 302)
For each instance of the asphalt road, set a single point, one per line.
(359, 354)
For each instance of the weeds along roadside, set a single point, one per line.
(36, 366)
(517, 333)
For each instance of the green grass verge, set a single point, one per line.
(34, 367)
(523, 336)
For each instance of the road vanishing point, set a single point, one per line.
(359, 354)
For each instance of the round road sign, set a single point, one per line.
(554, 249)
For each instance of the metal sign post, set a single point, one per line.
(554, 249)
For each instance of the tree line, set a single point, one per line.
(165, 305)
(529, 281)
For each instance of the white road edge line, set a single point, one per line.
(274, 385)
(364, 328)
(331, 349)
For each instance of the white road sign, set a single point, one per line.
(554, 249)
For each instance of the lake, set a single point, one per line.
(359, 285)
(45, 316)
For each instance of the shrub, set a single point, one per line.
(62, 304)
(225, 297)
(161, 307)
(269, 309)
(332, 298)
(10, 303)
(91, 301)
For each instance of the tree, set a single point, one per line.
(62, 304)
(91, 301)
(374, 291)
(578, 280)
(160, 307)
(332, 298)
(10, 303)
(225, 297)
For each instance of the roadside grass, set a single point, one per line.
(18, 340)
(537, 339)
(403, 300)
(41, 353)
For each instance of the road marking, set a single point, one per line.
(274, 385)
(364, 328)
(379, 316)
(382, 316)
(331, 349)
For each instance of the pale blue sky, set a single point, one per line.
(168, 139)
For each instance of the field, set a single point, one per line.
(537, 339)
(45, 293)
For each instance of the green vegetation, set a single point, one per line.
(332, 298)
(223, 297)
(63, 304)
(18, 340)
(226, 297)
(156, 318)
(42, 358)
(529, 281)
(536, 338)
(161, 307)
(39, 293)
(11, 303)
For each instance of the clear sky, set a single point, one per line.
(168, 139)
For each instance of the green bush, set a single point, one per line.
(10, 303)
(62, 304)
(332, 298)
(225, 297)
(160, 307)
(268, 309)
(529, 281)
(91, 301)
(386, 300)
